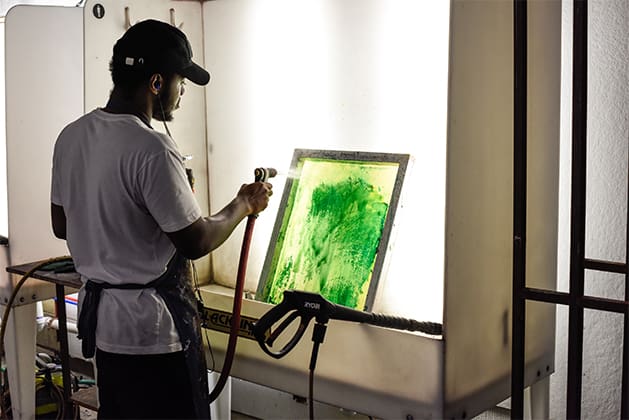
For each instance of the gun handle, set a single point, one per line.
(344, 313)
(266, 337)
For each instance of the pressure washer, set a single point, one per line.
(306, 306)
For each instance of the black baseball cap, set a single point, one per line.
(154, 46)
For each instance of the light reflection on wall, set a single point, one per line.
(366, 75)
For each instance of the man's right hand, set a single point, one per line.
(256, 196)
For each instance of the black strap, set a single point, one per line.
(88, 317)
(175, 288)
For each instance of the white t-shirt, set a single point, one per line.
(122, 185)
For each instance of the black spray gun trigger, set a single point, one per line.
(303, 305)
(307, 306)
(266, 334)
(273, 335)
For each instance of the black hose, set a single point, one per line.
(399, 323)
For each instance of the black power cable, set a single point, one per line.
(318, 334)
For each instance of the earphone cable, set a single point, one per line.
(161, 108)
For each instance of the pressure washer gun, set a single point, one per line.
(306, 306)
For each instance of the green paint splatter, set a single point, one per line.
(333, 246)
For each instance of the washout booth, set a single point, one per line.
(429, 80)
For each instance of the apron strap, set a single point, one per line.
(88, 317)
(175, 288)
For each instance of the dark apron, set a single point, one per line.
(175, 288)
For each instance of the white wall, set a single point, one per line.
(38, 104)
(5, 5)
(608, 133)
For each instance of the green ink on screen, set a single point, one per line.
(331, 230)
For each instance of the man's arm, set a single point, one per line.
(207, 233)
(58, 218)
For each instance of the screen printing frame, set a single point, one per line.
(284, 216)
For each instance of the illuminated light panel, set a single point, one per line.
(364, 75)
(332, 234)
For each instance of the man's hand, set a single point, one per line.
(256, 196)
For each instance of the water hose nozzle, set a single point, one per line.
(263, 174)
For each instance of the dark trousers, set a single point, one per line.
(153, 386)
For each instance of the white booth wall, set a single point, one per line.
(43, 92)
(365, 75)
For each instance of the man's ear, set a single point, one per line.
(156, 84)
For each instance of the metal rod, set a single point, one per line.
(607, 266)
(520, 47)
(64, 353)
(577, 231)
(603, 304)
(548, 296)
(624, 402)
(589, 302)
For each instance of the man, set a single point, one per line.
(121, 199)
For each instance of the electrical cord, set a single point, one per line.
(194, 268)
(318, 334)
(195, 277)
(57, 394)
(197, 289)
(9, 306)
(310, 395)
(16, 288)
(7, 312)
(161, 108)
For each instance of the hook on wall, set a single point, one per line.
(173, 20)
(127, 18)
